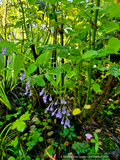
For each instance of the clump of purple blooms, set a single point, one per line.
(61, 112)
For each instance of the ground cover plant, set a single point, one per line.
(59, 79)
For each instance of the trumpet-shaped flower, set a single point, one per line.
(56, 102)
(9, 61)
(51, 108)
(50, 98)
(59, 114)
(63, 101)
(63, 110)
(62, 122)
(45, 98)
(3, 50)
(48, 108)
(41, 93)
(67, 123)
(22, 77)
(53, 113)
(68, 114)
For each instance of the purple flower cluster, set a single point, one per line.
(58, 113)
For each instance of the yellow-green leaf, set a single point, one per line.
(87, 106)
(76, 111)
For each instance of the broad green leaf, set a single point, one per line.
(56, 71)
(76, 1)
(14, 142)
(40, 139)
(96, 87)
(66, 67)
(63, 53)
(18, 24)
(43, 57)
(32, 67)
(51, 1)
(111, 26)
(76, 111)
(52, 81)
(31, 2)
(1, 123)
(25, 116)
(89, 54)
(114, 11)
(17, 64)
(113, 44)
(9, 45)
(87, 106)
(11, 158)
(114, 70)
(1, 62)
(39, 80)
(21, 126)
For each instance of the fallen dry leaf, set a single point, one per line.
(66, 143)
(34, 119)
(50, 140)
(117, 130)
(92, 121)
(107, 134)
(50, 133)
(98, 130)
(79, 137)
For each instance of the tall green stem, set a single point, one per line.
(92, 48)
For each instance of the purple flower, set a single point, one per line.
(45, 97)
(67, 123)
(22, 77)
(50, 99)
(63, 101)
(41, 93)
(54, 77)
(53, 113)
(59, 114)
(3, 50)
(68, 114)
(47, 109)
(56, 102)
(51, 108)
(9, 61)
(28, 83)
(30, 93)
(63, 110)
(26, 91)
(62, 122)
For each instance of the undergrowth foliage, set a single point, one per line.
(55, 57)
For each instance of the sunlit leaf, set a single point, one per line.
(87, 106)
(76, 111)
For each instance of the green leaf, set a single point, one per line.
(111, 26)
(40, 139)
(113, 44)
(56, 71)
(51, 1)
(14, 142)
(114, 70)
(21, 126)
(1, 123)
(39, 80)
(96, 87)
(25, 116)
(11, 158)
(114, 11)
(31, 2)
(17, 64)
(9, 45)
(52, 81)
(63, 53)
(66, 67)
(32, 67)
(42, 59)
(1, 62)
(89, 54)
